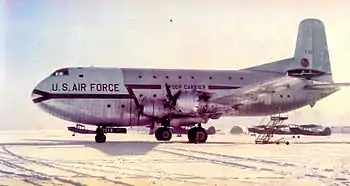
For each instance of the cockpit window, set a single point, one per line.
(61, 72)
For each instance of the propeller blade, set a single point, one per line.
(133, 96)
(175, 97)
(138, 118)
(168, 91)
(151, 128)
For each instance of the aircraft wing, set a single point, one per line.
(251, 93)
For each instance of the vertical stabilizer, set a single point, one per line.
(311, 50)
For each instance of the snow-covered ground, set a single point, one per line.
(58, 158)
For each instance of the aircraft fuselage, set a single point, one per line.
(104, 96)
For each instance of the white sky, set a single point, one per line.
(42, 36)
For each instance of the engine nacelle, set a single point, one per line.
(191, 102)
(154, 108)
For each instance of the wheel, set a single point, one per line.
(163, 134)
(100, 138)
(191, 135)
(202, 135)
(197, 135)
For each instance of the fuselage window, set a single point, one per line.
(210, 77)
(167, 77)
(241, 78)
(229, 78)
(140, 77)
(81, 75)
(154, 77)
(123, 106)
(180, 77)
(154, 95)
(108, 106)
(192, 77)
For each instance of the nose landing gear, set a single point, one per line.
(100, 136)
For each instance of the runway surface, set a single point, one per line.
(57, 158)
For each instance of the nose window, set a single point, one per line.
(61, 72)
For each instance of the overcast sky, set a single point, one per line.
(41, 36)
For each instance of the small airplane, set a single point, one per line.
(292, 129)
(116, 98)
(311, 130)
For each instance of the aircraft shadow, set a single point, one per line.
(118, 148)
(112, 148)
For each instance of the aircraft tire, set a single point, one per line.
(202, 135)
(191, 135)
(163, 134)
(100, 138)
(197, 132)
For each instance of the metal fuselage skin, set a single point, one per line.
(99, 96)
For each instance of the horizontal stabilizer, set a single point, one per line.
(326, 86)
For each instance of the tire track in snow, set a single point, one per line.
(255, 160)
(160, 175)
(147, 172)
(220, 162)
(315, 172)
(66, 181)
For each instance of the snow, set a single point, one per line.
(57, 158)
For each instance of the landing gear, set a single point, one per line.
(100, 136)
(164, 133)
(197, 134)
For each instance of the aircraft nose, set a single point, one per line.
(37, 94)
(34, 95)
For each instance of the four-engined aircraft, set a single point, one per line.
(113, 98)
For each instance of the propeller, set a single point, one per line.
(169, 102)
(139, 107)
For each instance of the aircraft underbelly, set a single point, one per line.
(95, 112)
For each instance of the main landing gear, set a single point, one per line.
(164, 133)
(196, 134)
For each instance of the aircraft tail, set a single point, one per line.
(311, 54)
(311, 49)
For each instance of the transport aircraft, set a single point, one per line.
(113, 99)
